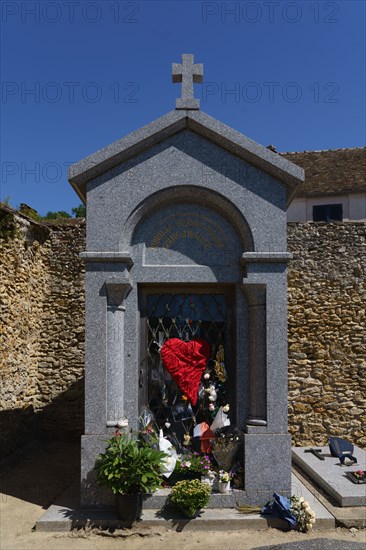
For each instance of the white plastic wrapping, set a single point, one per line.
(170, 461)
(220, 421)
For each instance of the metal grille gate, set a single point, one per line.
(184, 316)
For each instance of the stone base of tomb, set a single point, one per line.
(66, 514)
(267, 459)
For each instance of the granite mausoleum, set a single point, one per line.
(186, 239)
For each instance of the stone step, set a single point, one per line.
(68, 516)
(217, 500)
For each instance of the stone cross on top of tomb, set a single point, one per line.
(187, 73)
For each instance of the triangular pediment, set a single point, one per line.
(176, 121)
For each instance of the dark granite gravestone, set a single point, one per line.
(187, 213)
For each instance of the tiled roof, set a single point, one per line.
(331, 171)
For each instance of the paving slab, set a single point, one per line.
(68, 516)
(331, 476)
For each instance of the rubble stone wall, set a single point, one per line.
(327, 332)
(42, 331)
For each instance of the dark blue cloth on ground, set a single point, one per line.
(279, 508)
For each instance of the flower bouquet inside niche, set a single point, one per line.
(226, 449)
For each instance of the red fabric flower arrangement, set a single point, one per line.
(186, 361)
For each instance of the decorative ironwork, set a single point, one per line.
(185, 316)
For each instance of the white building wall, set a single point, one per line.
(297, 211)
(357, 206)
(353, 206)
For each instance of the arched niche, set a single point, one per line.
(213, 220)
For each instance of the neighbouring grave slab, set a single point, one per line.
(331, 476)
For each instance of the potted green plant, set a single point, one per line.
(190, 496)
(130, 468)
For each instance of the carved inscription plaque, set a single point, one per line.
(187, 235)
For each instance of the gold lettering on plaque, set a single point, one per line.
(184, 225)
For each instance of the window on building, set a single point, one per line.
(327, 213)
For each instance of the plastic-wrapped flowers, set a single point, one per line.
(301, 510)
(296, 511)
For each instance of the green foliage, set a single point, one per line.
(56, 215)
(191, 495)
(30, 212)
(35, 216)
(129, 466)
(79, 211)
(8, 228)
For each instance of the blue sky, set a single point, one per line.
(77, 75)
